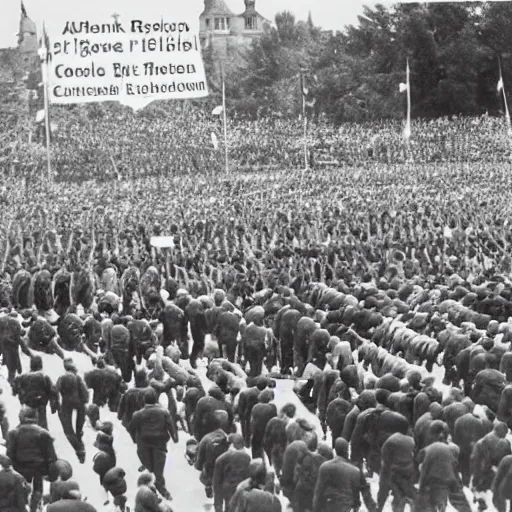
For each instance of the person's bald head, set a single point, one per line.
(341, 447)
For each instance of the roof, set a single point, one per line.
(216, 8)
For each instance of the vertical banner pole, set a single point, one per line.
(225, 122)
(305, 120)
(44, 71)
(408, 100)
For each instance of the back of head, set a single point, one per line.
(216, 392)
(414, 378)
(341, 447)
(141, 378)
(69, 365)
(257, 472)
(262, 383)
(381, 396)
(325, 451)
(266, 396)
(366, 399)
(60, 469)
(501, 429)
(436, 410)
(150, 397)
(36, 363)
(28, 415)
(145, 478)
(439, 431)
(237, 441)
(289, 410)
(107, 427)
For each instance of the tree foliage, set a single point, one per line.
(453, 51)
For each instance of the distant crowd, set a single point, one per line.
(123, 145)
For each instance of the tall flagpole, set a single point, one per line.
(408, 122)
(305, 120)
(44, 73)
(507, 113)
(224, 116)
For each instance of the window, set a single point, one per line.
(207, 22)
(221, 23)
(250, 23)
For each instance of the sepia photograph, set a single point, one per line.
(255, 256)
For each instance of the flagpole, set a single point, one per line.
(305, 120)
(224, 117)
(44, 72)
(408, 125)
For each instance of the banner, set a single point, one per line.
(132, 62)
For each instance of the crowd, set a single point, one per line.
(121, 144)
(383, 290)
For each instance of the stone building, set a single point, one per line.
(228, 33)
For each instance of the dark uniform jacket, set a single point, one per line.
(153, 426)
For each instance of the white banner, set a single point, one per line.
(132, 62)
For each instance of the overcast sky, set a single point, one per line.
(329, 14)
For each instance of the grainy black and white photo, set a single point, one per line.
(255, 256)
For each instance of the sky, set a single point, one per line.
(328, 14)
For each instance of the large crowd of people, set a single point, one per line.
(120, 144)
(383, 288)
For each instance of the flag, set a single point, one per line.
(500, 84)
(217, 111)
(40, 116)
(403, 87)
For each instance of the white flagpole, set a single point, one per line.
(44, 73)
(305, 121)
(507, 113)
(408, 122)
(224, 116)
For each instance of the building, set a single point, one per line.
(228, 33)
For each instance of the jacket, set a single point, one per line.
(342, 483)
(210, 447)
(30, 448)
(231, 468)
(131, 402)
(153, 426)
(147, 500)
(13, 491)
(439, 462)
(72, 389)
(35, 389)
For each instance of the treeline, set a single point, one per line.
(354, 75)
